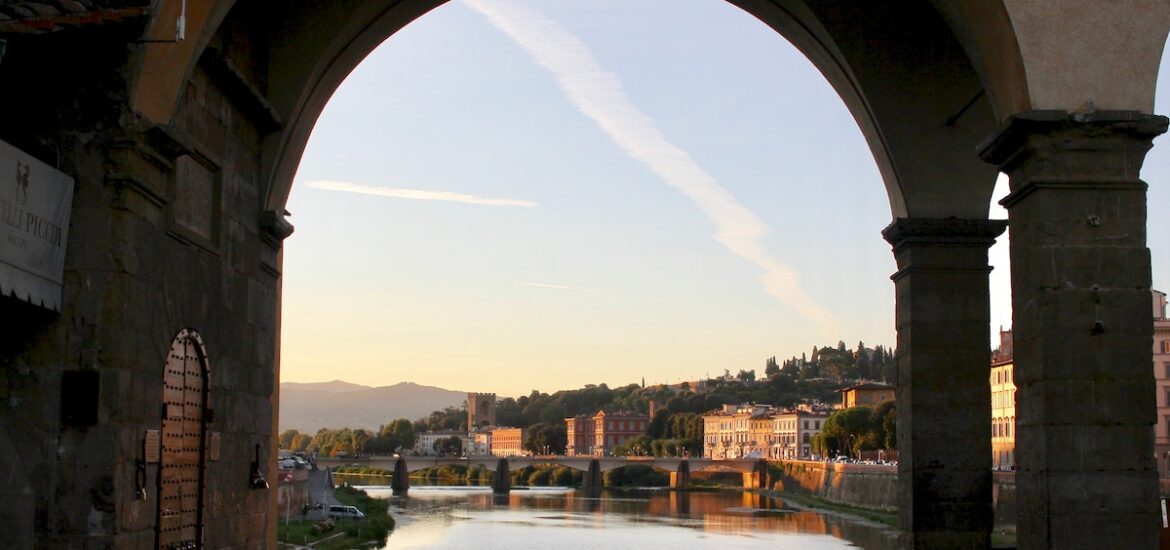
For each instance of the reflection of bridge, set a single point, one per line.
(755, 471)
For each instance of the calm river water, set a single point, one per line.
(565, 519)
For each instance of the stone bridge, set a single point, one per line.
(755, 471)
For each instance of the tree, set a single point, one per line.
(770, 367)
(449, 445)
(286, 438)
(547, 439)
(847, 426)
(300, 442)
(746, 376)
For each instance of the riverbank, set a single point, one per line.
(315, 529)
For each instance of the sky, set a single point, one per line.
(511, 195)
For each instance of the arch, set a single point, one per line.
(918, 99)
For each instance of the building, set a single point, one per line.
(1003, 405)
(793, 430)
(736, 431)
(481, 443)
(866, 394)
(1162, 379)
(599, 434)
(481, 410)
(508, 441)
(425, 445)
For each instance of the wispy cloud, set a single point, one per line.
(555, 287)
(598, 94)
(416, 194)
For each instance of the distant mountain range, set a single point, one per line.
(308, 407)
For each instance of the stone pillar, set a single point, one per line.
(400, 483)
(502, 478)
(681, 479)
(944, 404)
(592, 478)
(757, 477)
(1082, 327)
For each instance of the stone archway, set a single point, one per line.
(1064, 106)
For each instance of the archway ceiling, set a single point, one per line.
(920, 77)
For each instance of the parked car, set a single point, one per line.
(337, 511)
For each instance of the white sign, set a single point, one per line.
(34, 226)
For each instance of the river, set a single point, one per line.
(567, 519)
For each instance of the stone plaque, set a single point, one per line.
(194, 204)
(151, 446)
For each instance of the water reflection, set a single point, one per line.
(565, 519)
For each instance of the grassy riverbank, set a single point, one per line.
(343, 534)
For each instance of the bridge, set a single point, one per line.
(755, 471)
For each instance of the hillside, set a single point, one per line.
(310, 407)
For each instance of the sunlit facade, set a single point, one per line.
(1003, 405)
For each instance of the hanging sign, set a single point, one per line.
(35, 200)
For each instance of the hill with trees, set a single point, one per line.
(678, 423)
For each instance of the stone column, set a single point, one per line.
(502, 478)
(1082, 327)
(681, 478)
(944, 402)
(400, 483)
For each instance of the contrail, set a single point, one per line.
(598, 94)
(555, 287)
(416, 194)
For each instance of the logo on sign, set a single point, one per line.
(21, 182)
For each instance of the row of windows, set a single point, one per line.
(1003, 427)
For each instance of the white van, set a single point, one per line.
(337, 511)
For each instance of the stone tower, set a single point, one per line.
(481, 410)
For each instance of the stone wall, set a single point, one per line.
(166, 233)
(865, 485)
(872, 486)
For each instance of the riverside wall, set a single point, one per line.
(870, 485)
(866, 485)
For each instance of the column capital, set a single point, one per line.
(903, 232)
(1061, 150)
(1019, 130)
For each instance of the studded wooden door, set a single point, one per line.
(180, 478)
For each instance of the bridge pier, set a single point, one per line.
(757, 478)
(681, 479)
(592, 478)
(400, 483)
(502, 478)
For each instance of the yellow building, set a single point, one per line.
(508, 441)
(1003, 405)
(866, 394)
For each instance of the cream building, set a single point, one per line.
(1162, 378)
(794, 429)
(1003, 405)
(737, 431)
